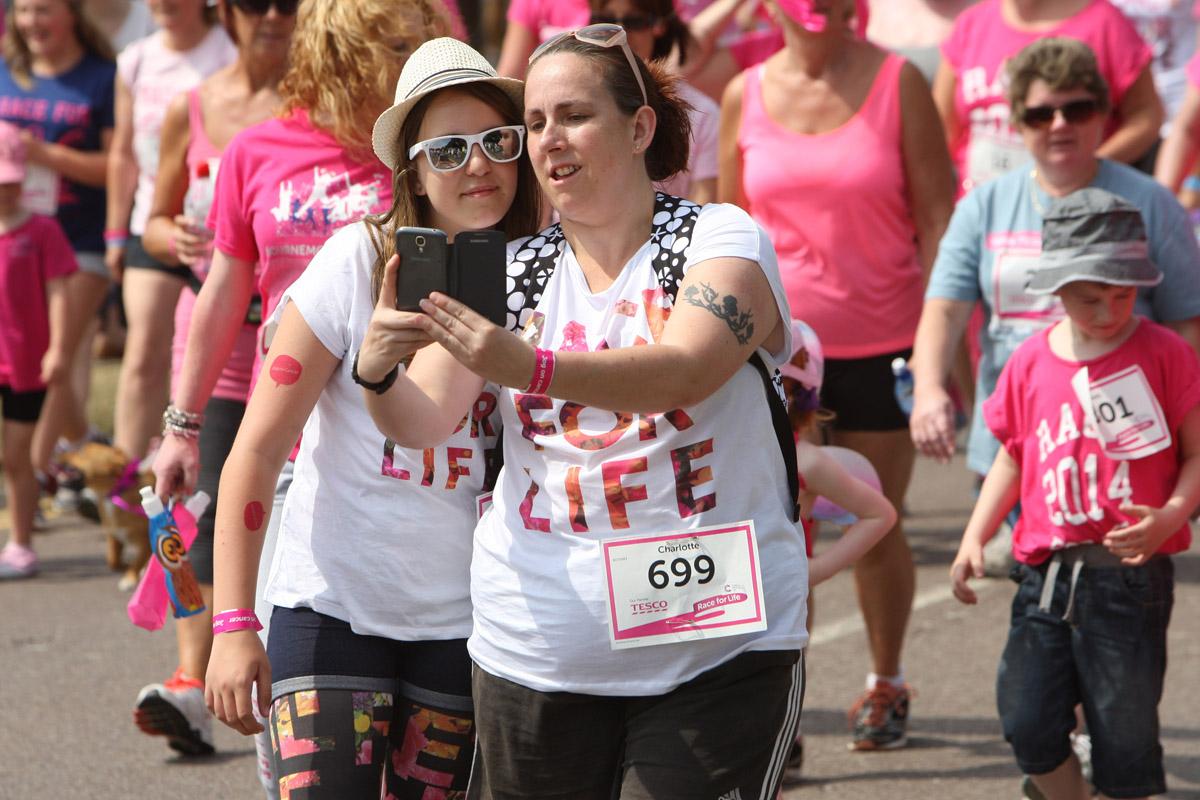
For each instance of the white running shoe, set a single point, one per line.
(176, 709)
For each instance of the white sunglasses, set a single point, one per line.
(448, 153)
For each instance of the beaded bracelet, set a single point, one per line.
(182, 423)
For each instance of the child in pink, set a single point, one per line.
(1099, 422)
(35, 341)
(982, 42)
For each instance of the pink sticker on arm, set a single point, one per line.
(285, 370)
(253, 515)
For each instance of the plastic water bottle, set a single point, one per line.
(904, 385)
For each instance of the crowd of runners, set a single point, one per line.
(525, 348)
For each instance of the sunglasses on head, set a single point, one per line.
(602, 34)
(630, 22)
(261, 7)
(448, 153)
(1074, 112)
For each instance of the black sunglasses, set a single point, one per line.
(632, 22)
(260, 7)
(1074, 112)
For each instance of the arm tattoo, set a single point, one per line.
(726, 309)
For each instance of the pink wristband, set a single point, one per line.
(235, 619)
(543, 371)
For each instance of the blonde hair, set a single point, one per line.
(19, 60)
(343, 63)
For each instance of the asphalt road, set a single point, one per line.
(71, 665)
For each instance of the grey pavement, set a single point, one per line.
(71, 664)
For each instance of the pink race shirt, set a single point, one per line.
(1078, 468)
(1193, 70)
(284, 187)
(31, 256)
(547, 18)
(978, 49)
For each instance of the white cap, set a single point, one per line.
(808, 360)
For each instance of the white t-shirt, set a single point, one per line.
(154, 74)
(1169, 27)
(376, 535)
(537, 579)
(705, 116)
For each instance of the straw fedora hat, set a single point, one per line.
(437, 64)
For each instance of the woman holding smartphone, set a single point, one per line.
(370, 581)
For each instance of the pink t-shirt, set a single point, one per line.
(1193, 70)
(203, 161)
(547, 18)
(284, 187)
(1077, 469)
(978, 49)
(31, 256)
(154, 74)
(836, 207)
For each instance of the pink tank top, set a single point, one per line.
(835, 205)
(202, 161)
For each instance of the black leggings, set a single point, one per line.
(221, 421)
(351, 711)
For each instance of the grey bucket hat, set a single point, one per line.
(1093, 235)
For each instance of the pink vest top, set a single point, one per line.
(835, 205)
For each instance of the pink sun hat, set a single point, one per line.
(12, 154)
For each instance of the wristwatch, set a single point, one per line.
(377, 388)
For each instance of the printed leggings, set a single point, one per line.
(336, 735)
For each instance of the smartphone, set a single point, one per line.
(477, 273)
(423, 266)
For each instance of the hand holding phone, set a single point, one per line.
(423, 266)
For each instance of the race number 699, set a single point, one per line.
(702, 568)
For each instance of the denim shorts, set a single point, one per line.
(1110, 656)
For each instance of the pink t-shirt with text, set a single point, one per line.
(284, 187)
(977, 50)
(31, 255)
(1077, 469)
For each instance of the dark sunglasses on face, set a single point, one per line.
(261, 7)
(1074, 112)
(632, 22)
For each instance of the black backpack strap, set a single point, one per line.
(783, 428)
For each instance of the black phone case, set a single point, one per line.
(423, 266)
(477, 273)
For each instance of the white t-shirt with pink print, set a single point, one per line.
(576, 477)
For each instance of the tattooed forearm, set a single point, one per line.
(740, 322)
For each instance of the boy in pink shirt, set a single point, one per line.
(35, 343)
(1101, 444)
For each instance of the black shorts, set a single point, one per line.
(739, 717)
(136, 257)
(221, 420)
(22, 406)
(862, 393)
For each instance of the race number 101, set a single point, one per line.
(702, 568)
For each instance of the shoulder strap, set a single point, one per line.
(671, 233)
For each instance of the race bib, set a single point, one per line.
(1127, 416)
(1012, 305)
(683, 587)
(39, 192)
(990, 155)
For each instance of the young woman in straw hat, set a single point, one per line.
(367, 650)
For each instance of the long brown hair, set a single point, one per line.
(411, 209)
(16, 50)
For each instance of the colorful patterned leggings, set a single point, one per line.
(346, 744)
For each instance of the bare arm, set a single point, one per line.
(216, 320)
(1189, 329)
(274, 420)
(705, 29)
(519, 44)
(64, 333)
(122, 176)
(1179, 150)
(826, 478)
(170, 237)
(930, 178)
(729, 164)
(997, 496)
(945, 84)
(1141, 114)
(87, 168)
(939, 332)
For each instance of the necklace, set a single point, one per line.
(1033, 194)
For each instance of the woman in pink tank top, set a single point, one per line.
(835, 148)
(199, 123)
